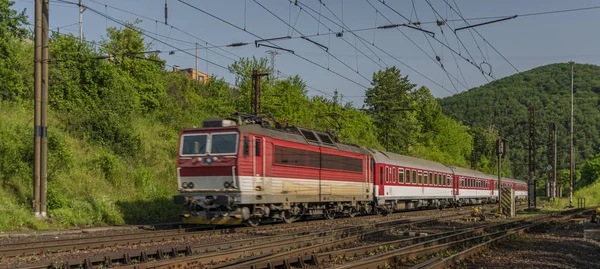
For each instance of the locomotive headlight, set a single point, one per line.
(215, 159)
(208, 160)
(184, 185)
(190, 185)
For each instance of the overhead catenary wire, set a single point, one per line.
(142, 31)
(296, 30)
(440, 59)
(172, 26)
(470, 31)
(343, 39)
(257, 36)
(387, 53)
(485, 40)
(419, 47)
(471, 61)
(347, 29)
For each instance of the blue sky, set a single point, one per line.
(527, 41)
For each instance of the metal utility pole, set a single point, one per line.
(500, 151)
(37, 131)
(550, 162)
(572, 153)
(80, 20)
(551, 184)
(272, 54)
(196, 74)
(166, 12)
(44, 134)
(40, 151)
(532, 151)
(555, 161)
(256, 91)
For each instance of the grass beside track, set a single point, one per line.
(89, 185)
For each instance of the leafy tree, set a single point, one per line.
(590, 171)
(13, 84)
(126, 46)
(389, 104)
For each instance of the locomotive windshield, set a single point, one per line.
(215, 144)
(194, 144)
(224, 143)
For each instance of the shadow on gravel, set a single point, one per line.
(150, 211)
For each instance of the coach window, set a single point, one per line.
(462, 182)
(394, 175)
(387, 174)
(425, 176)
(400, 175)
(407, 176)
(420, 178)
(380, 175)
(414, 176)
(430, 178)
(449, 180)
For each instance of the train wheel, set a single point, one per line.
(352, 212)
(288, 217)
(329, 213)
(367, 210)
(253, 221)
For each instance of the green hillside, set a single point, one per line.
(501, 107)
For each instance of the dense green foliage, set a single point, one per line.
(501, 108)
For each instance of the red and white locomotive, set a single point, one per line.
(232, 173)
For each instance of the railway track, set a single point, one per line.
(49, 246)
(267, 244)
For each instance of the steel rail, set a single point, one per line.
(50, 246)
(472, 251)
(322, 254)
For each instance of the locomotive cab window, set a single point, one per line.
(225, 143)
(194, 144)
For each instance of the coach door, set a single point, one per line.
(456, 185)
(381, 176)
(368, 178)
(258, 161)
